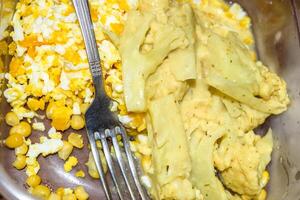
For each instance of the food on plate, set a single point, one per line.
(183, 78)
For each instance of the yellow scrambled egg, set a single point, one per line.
(192, 69)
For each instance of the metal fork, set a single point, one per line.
(101, 123)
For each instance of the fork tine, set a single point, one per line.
(131, 161)
(121, 161)
(108, 157)
(98, 163)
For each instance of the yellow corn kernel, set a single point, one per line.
(146, 163)
(41, 191)
(61, 118)
(42, 104)
(98, 144)
(92, 170)
(21, 150)
(68, 191)
(80, 193)
(77, 122)
(248, 40)
(264, 178)
(124, 5)
(245, 22)
(66, 151)
(14, 141)
(54, 196)
(33, 104)
(70, 163)
(262, 195)
(49, 110)
(20, 162)
(80, 174)
(84, 107)
(60, 191)
(117, 28)
(69, 197)
(142, 127)
(11, 119)
(229, 15)
(76, 140)
(52, 106)
(33, 180)
(23, 128)
(122, 108)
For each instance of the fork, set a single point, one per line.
(101, 123)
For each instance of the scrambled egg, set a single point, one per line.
(192, 69)
(187, 85)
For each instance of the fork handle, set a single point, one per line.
(87, 29)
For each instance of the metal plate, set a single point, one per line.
(276, 33)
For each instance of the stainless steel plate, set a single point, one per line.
(276, 33)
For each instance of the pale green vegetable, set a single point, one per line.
(229, 68)
(137, 65)
(171, 160)
(203, 172)
(183, 61)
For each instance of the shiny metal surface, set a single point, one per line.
(102, 124)
(275, 29)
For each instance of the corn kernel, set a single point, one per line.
(12, 119)
(41, 191)
(23, 128)
(262, 195)
(68, 191)
(42, 104)
(264, 179)
(14, 141)
(61, 118)
(66, 151)
(76, 140)
(60, 191)
(80, 174)
(33, 104)
(117, 28)
(54, 196)
(80, 193)
(51, 107)
(84, 107)
(77, 122)
(33, 180)
(20, 162)
(70, 163)
(98, 144)
(146, 163)
(69, 197)
(21, 150)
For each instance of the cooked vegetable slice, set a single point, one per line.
(137, 65)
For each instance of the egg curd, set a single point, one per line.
(184, 80)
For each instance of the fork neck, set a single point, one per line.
(99, 87)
